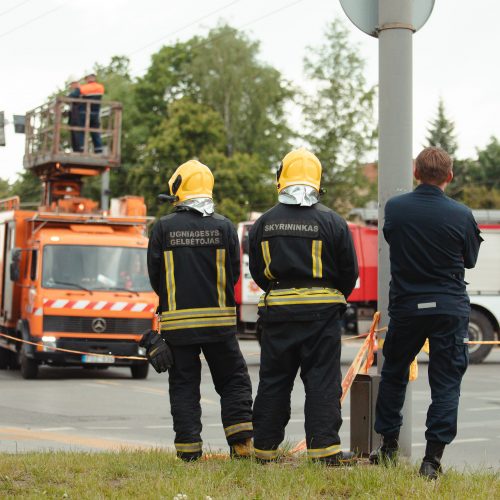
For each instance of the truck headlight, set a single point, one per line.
(49, 343)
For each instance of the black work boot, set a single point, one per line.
(431, 464)
(189, 457)
(340, 459)
(387, 453)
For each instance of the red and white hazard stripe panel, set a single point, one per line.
(101, 305)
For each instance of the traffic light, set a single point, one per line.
(19, 124)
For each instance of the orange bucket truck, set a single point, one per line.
(74, 288)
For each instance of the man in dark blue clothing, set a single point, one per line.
(76, 116)
(432, 238)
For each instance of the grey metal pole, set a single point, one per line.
(105, 190)
(395, 174)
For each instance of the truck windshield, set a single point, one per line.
(95, 268)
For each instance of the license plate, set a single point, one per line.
(88, 358)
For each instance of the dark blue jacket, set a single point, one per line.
(432, 238)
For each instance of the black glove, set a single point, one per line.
(158, 352)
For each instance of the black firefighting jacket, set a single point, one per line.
(193, 265)
(304, 258)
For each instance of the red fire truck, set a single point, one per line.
(483, 281)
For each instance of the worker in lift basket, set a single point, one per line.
(302, 254)
(193, 265)
(431, 239)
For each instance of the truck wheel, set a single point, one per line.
(29, 367)
(480, 328)
(4, 359)
(139, 371)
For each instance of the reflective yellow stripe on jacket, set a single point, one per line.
(198, 318)
(170, 278)
(221, 276)
(297, 296)
(317, 263)
(266, 254)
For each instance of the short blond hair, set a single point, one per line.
(433, 165)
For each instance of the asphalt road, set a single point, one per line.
(77, 409)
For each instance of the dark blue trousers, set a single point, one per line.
(448, 360)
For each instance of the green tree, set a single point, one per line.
(477, 182)
(28, 187)
(191, 130)
(249, 95)
(441, 132)
(340, 118)
(242, 185)
(4, 188)
(488, 165)
(222, 71)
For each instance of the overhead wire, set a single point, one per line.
(14, 8)
(244, 25)
(44, 14)
(192, 23)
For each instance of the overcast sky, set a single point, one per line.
(44, 41)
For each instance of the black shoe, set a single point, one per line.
(341, 459)
(387, 453)
(431, 464)
(384, 456)
(430, 470)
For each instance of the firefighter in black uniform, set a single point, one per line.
(193, 264)
(431, 239)
(302, 255)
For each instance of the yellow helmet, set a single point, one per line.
(191, 180)
(299, 166)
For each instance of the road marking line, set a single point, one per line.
(208, 401)
(52, 429)
(159, 427)
(104, 428)
(151, 390)
(109, 382)
(73, 439)
(156, 392)
(484, 408)
(470, 440)
(415, 445)
(94, 384)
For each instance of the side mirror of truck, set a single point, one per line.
(15, 265)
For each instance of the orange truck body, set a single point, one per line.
(81, 285)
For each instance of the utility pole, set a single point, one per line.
(393, 22)
(395, 172)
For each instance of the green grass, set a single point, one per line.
(157, 474)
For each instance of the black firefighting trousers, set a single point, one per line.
(448, 360)
(314, 347)
(232, 383)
